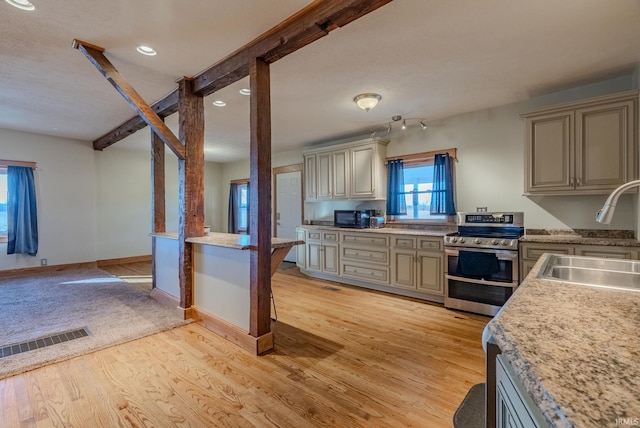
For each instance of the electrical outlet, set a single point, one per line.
(43, 262)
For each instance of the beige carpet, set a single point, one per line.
(112, 310)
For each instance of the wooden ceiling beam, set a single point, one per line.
(304, 27)
(95, 55)
(163, 108)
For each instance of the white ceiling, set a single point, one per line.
(427, 58)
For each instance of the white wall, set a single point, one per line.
(65, 187)
(96, 205)
(490, 170)
(491, 159)
(240, 170)
(124, 200)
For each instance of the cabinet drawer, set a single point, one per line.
(608, 252)
(374, 256)
(366, 239)
(313, 235)
(330, 236)
(403, 242)
(370, 274)
(430, 244)
(533, 252)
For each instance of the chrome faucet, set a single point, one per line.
(605, 215)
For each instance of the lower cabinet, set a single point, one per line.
(409, 265)
(363, 263)
(322, 252)
(514, 407)
(530, 252)
(301, 250)
(415, 269)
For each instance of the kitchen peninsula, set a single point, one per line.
(221, 300)
(571, 350)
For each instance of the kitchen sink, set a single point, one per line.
(592, 271)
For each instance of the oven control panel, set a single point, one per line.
(472, 242)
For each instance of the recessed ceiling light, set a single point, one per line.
(219, 103)
(146, 50)
(245, 91)
(21, 4)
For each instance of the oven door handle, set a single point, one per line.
(482, 281)
(499, 255)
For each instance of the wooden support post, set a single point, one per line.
(158, 209)
(190, 184)
(260, 199)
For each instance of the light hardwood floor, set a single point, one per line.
(344, 357)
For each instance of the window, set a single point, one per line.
(3, 204)
(243, 207)
(418, 184)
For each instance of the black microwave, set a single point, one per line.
(355, 219)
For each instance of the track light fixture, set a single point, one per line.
(404, 123)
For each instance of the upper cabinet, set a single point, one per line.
(346, 171)
(586, 147)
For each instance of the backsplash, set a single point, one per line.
(585, 233)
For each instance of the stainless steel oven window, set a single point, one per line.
(507, 265)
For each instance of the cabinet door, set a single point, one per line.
(340, 160)
(514, 407)
(330, 258)
(323, 176)
(525, 268)
(363, 171)
(310, 179)
(314, 256)
(430, 273)
(301, 252)
(605, 152)
(549, 164)
(403, 272)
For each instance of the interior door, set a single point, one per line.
(289, 207)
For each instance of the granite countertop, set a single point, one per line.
(385, 230)
(575, 349)
(230, 240)
(580, 240)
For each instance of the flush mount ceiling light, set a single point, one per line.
(367, 101)
(404, 124)
(146, 50)
(21, 4)
(219, 103)
(245, 91)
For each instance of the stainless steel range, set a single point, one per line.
(481, 269)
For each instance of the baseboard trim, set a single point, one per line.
(52, 268)
(171, 302)
(123, 260)
(232, 333)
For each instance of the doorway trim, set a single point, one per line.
(283, 170)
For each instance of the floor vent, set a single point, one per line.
(42, 342)
(328, 287)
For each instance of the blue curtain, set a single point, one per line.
(22, 214)
(396, 203)
(442, 192)
(232, 221)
